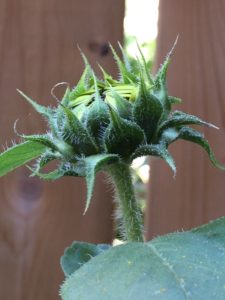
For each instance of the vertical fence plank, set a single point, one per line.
(38, 48)
(196, 75)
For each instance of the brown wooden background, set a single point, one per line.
(196, 74)
(38, 49)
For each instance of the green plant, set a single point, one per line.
(102, 125)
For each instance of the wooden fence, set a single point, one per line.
(196, 74)
(38, 48)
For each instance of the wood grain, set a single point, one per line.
(196, 75)
(38, 48)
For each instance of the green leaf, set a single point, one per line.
(194, 136)
(179, 266)
(93, 164)
(19, 155)
(122, 136)
(147, 111)
(156, 150)
(45, 111)
(78, 254)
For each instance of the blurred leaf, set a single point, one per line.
(19, 155)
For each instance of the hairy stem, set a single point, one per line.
(131, 214)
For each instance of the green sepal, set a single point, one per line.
(160, 85)
(108, 80)
(118, 103)
(19, 155)
(145, 68)
(194, 136)
(45, 111)
(81, 111)
(76, 134)
(160, 89)
(122, 136)
(179, 118)
(97, 117)
(82, 85)
(78, 254)
(147, 111)
(128, 64)
(65, 99)
(83, 99)
(156, 150)
(160, 78)
(93, 164)
(125, 74)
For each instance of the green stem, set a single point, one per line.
(131, 214)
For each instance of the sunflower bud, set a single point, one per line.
(102, 122)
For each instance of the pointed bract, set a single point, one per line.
(125, 74)
(156, 150)
(45, 111)
(147, 111)
(93, 164)
(194, 136)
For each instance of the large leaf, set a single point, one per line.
(179, 266)
(19, 155)
(78, 254)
